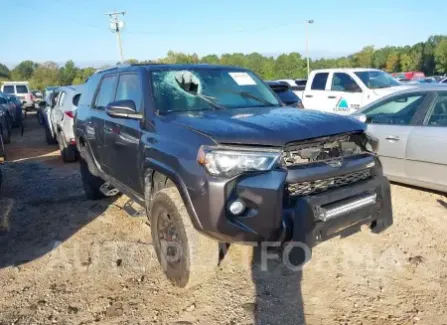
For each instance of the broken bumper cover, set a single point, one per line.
(270, 215)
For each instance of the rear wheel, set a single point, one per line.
(50, 138)
(68, 152)
(90, 182)
(5, 132)
(187, 257)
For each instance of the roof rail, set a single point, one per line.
(121, 65)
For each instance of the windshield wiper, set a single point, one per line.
(249, 95)
(210, 100)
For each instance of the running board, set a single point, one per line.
(134, 210)
(108, 190)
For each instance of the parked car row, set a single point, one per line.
(57, 113)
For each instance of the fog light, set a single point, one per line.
(237, 207)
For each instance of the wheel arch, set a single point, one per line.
(153, 169)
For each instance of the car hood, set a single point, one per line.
(381, 92)
(265, 126)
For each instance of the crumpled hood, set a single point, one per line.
(265, 126)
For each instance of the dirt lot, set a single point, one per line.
(67, 260)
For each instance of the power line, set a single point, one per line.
(251, 30)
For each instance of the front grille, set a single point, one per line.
(321, 185)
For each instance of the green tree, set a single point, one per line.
(210, 59)
(364, 58)
(440, 56)
(405, 62)
(23, 71)
(46, 74)
(4, 71)
(68, 73)
(290, 65)
(392, 62)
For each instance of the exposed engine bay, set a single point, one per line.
(324, 149)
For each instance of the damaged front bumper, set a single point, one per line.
(343, 200)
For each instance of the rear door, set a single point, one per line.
(427, 146)
(57, 112)
(391, 121)
(316, 96)
(95, 124)
(122, 136)
(344, 95)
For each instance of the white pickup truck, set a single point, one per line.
(344, 91)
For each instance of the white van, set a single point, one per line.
(21, 90)
(344, 91)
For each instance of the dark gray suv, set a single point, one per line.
(214, 157)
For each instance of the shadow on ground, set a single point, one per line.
(278, 293)
(42, 203)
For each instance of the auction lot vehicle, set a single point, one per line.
(214, 157)
(21, 90)
(61, 119)
(343, 91)
(285, 93)
(411, 126)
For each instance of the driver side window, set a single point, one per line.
(395, 111)
(344, 82)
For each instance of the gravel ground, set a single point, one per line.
(68, 260)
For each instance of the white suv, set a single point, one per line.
(21, 90)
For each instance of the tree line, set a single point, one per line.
(429, 57)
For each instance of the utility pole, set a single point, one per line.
(116, 26)
(308, 22)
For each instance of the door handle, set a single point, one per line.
(392, 138)
(332, 97)
(308, 96)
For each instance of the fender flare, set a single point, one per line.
(151, 165)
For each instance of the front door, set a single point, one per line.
(344, 95)
(392, 121)
(122, 136)
(315, 97)
(426, 159)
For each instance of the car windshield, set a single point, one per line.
(209, 89)
(374, 79)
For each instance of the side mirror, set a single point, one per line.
(123, 109)
(361, 117)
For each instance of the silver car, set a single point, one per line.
(411, 126)
(61, 118)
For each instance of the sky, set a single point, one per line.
(60, 30)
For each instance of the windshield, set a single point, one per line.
(209, 89)
(375, 79)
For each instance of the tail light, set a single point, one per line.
(69, 114)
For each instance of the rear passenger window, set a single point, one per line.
(129, 88)
(8, 89)
(319, 82)
(22, 89)
(106, 91)
(438, 116)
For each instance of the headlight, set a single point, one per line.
(229, 161)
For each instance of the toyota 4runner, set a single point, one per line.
(214, 157)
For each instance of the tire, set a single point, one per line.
(50, 139)
(200, 254)
(68, 152)
(6, 134)
(90, 182)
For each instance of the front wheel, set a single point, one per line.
(186, 256)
